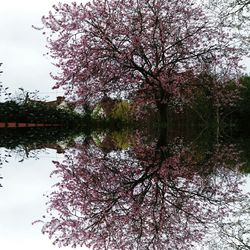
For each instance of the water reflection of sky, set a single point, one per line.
(22, 202)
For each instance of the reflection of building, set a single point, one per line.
(106, 144)
(60, 147)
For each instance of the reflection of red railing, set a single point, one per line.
(25, 125)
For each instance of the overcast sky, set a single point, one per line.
(22, 47)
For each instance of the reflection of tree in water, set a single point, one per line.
(0, 179)
(154, 196)
(20, 153)
(26, 143)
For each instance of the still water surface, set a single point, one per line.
(127, 190)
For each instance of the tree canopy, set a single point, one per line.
(154, 49)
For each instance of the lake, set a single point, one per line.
(150, 188)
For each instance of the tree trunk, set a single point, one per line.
(163, 137)
(163, 113)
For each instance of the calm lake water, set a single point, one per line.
(140, 189)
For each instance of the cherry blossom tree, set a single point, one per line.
(153, 197)
(156, 48)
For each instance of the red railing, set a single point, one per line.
(26, 125)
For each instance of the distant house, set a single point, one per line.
(108, 104)
(60, 102)
(104, 107)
